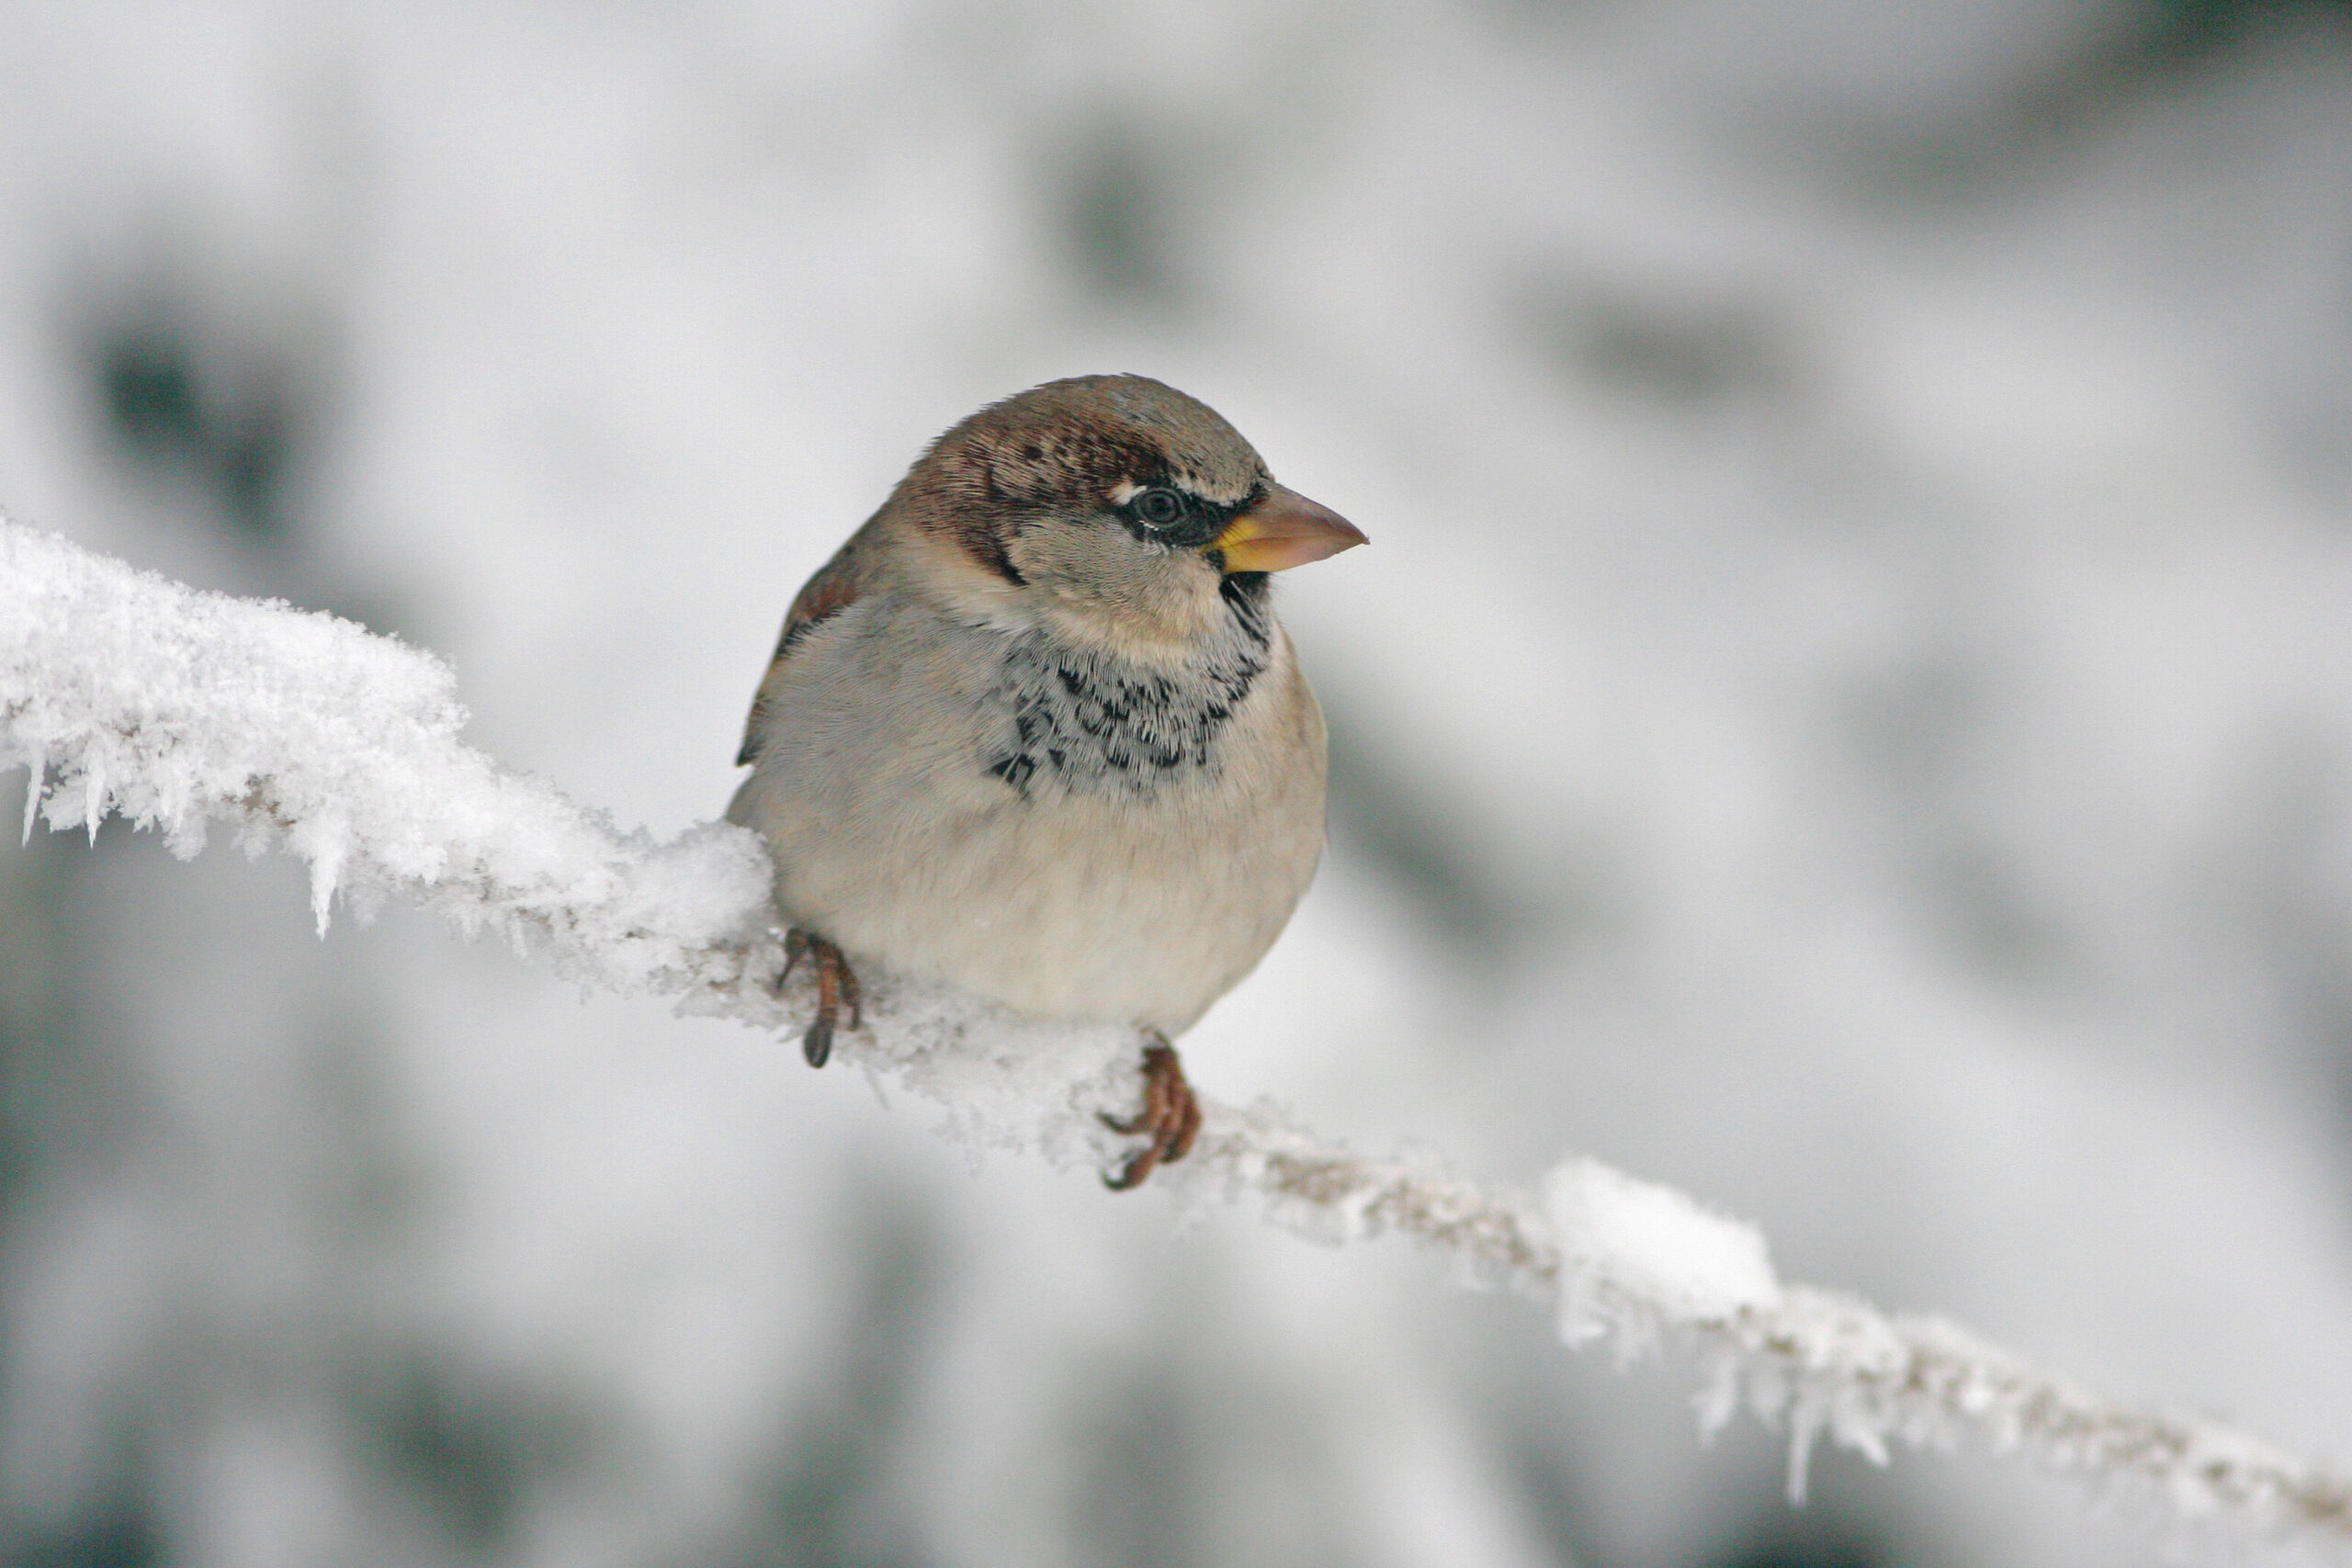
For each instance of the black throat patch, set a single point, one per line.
(1079, 722)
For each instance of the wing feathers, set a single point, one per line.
(838, 584)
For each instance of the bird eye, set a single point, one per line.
(1159, 506)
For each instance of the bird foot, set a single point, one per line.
(836, 987)
(1170, 1116)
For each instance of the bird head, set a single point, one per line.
(1115, 504)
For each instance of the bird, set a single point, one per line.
(1035, 730)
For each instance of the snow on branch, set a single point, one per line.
(124, 693)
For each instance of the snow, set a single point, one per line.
(1848, 712)
(174, 707)
(133, 696)
(1621, 1237)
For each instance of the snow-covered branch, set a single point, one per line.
(128, 694)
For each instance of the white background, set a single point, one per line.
(1846, 711)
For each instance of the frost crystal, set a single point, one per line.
(1627, 1241)
(125, 694)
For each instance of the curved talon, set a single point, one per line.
(1133, 1172)
(836, 983)
(1170, 1116)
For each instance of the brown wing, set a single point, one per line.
(839, 583)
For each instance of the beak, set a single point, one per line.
(1283, 531)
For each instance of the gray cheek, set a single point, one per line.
(1096, 558)
(1056, 541)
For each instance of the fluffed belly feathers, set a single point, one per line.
(894, 838)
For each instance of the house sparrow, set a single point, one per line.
(1035, 732)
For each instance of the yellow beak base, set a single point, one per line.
(1283, 531)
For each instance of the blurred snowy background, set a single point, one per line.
(1848, 710)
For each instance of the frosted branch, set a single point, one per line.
(130, 696)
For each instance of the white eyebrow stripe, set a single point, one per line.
(1126, 490)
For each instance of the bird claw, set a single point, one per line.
(836, 987)
(1170, 1117)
